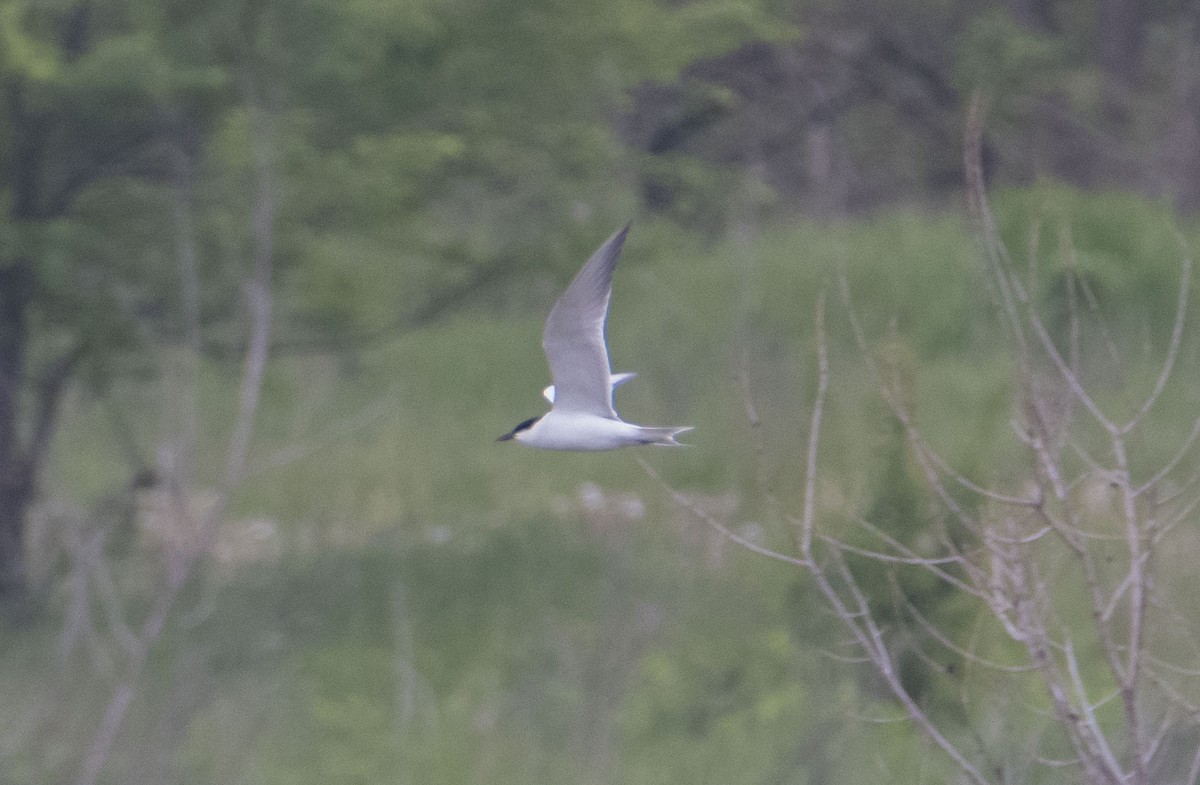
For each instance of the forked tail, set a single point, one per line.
(663, 437)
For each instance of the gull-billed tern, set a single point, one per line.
(581, 415)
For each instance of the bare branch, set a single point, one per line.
(814, 435)
(1193, 775)
(1170, 666)
(1008, 294)
(368, 416)
(180, 561)
(1068, 375)
(1137, 610)
(1170, 465)
(1096, 737)
(930, 563)
(908, 556)
(871, 638)
(1007, 551)
(933, 631)
(683, 501)
(890, 391)
(1185, 280)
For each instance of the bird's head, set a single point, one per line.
(522, 428)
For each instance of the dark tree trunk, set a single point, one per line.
(16, 480)
(14, 502)
(1122, 30)
(1033, 14)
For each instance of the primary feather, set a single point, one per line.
(574, 335)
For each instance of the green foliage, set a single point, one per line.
(448, 609)
(1006, 59)
(393, 121)
(503, 649)
(1124, 248)
(22, 52)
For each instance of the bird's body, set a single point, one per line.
(582, 416)
(583, 432)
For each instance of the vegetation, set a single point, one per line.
(272, 278)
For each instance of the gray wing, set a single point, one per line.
(574, 336)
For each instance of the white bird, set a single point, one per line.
(581, 415)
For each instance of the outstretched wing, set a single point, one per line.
(574, 335)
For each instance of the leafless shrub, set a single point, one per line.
(1084, 647)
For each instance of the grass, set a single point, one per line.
(436, 607)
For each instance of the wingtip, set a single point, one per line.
(619, 236)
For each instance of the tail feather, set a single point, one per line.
(664, 437)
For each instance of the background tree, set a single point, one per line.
(866, 106)
(96, 121)
(355, 584)
(393, 125)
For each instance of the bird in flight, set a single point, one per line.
(581, 415)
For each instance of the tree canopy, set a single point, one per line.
(269, 269)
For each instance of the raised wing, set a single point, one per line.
(574, 335)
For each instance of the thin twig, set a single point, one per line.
(683, 501)
(180, 561)
(814, 435)
(970, 656)
(1185, 279)
(1087, 710)
(1170, 465)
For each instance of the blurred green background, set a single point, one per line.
(391, 597)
